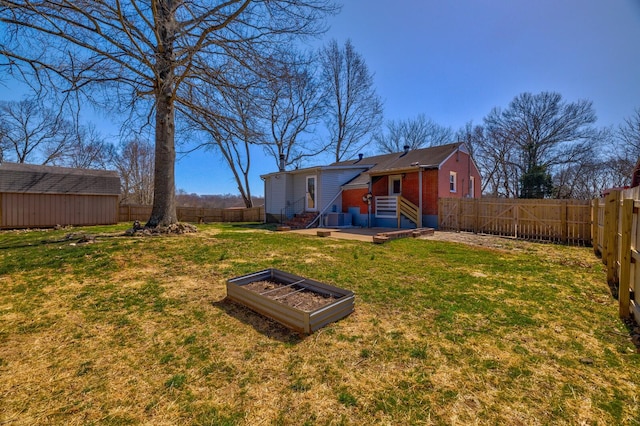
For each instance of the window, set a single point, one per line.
(472, 187)
(452, 181)
(310, 200)
(395, 185)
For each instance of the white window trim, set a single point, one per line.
(472, 187)
(391, 179)
(315, 194)
(453, 182)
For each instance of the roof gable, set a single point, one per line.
(31, 178)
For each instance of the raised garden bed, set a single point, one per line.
(302, 304)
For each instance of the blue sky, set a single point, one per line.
(455, 60)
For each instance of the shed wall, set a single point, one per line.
(23, 210)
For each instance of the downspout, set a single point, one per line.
(369, 203)
(419, 198)
(471, 190)
(264, 182)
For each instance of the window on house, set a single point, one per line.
(395, 185)
(452, 181)
(472, 187)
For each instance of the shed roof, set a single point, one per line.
(31, 178)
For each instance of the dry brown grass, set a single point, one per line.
(138, 331)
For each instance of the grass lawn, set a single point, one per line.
(131, 330)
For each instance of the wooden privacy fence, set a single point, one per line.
(129, 213)
(617, 240)
(565, 221)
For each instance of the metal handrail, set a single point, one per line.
(292, 209)
(324, 210)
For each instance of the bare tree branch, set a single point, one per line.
(145, 54)
(354, 108)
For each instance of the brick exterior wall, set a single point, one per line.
(461, 164)
(353, 198)
(435, 184)
(430, 192)
(410, 189)
(380, 186)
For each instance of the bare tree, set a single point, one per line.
(354, 109)
(628, 149)
(226, 113)
(134, 163)
(33, 133)
(88, 150)
(485, 156)
(147, 52)
(418, 132)
(273, 102)
(534, 136)
(292, 107)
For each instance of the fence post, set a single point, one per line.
(594, 225)
(626, 217)
(611, 234)
(476, 215)
(515, 212)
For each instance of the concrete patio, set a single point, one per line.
(371, 235)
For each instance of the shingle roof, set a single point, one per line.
(427, 158)
(31, 178)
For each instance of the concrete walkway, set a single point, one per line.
(358, 234)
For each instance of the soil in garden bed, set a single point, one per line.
(295, 296)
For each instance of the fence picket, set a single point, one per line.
(542, 220)
(617, 241)
(130, 213)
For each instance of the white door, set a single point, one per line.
(310, 204)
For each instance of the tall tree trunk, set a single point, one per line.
(164, 200)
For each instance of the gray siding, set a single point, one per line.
(298, 187)
(330, 183)
(276, 193)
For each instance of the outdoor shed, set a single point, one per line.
(33, 196)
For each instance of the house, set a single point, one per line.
(390, 190)
(635, 176)
(44, 196)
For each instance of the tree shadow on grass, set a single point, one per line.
(78, 238)
(255, 225)
(260, 323)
